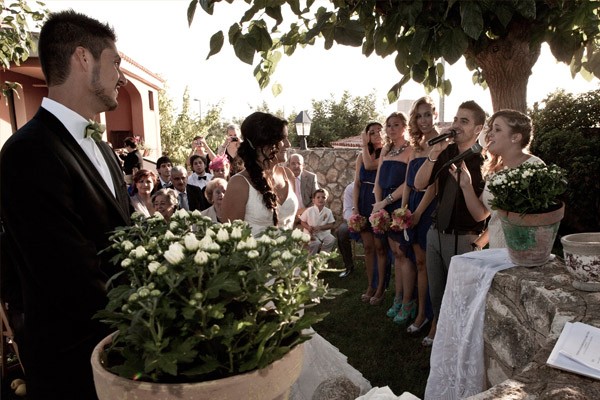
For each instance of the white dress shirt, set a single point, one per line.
(76, 125)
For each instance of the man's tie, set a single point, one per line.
(183, 203)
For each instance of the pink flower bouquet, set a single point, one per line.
(401, 219)
(380, 221)
(357, 223)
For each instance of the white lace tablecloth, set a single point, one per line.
(457, 365)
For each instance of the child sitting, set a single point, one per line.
(318, 221)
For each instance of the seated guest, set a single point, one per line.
(342, 233)
(220, 167)
(214, 192)
(199, 177)
(190, 197)
(143, 185)
(318, 221)
(305, 183)
(165, 202)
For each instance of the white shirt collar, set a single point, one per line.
(74, 122)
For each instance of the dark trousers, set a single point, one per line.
(344, 245)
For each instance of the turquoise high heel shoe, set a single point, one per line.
(407, 312)
(395, 308)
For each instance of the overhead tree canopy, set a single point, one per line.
(500, 40)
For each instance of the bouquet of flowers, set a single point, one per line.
(380, 221)
(401, 219)
(528, 188)
(357, 223)
(199, 301)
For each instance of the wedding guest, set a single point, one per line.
(305, 181)
(199, 177)
(421, 128)
(202, 149)
(220, 167)
(389, 187)
(364, 198)
(230, 148)
(189, 197)
(143, 185)
(165, 202)
(318, 221)
(454, 228)
(215, 192)
(507, 138)
(132, 161)
(163, 166)
(57, 249)
(342, 233)
(264, 191)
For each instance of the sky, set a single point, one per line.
(155, 33)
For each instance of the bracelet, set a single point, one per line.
(390, 198)
(353, 208)
(430, 160)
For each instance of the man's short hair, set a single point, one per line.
(299, 156)
(195, 157)
(62, 33)
(180, 169)
(163, 160)
(320, 190)
(477, 111)
(130, 142)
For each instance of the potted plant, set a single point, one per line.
(527, 201)
(204, 302)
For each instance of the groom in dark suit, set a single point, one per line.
(56, 225)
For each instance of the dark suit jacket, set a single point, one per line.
(56, 224)
(196, 198)
(308, 185)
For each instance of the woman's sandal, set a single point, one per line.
(408, 311)
(413, 328)
(427, 342)
(366, 297)
(395, 308)
(375, 301)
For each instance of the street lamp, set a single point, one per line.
(199, 107)
(303, 123)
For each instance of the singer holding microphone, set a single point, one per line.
(454, 228)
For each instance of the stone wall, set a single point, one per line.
(335, 170)
(526, 310)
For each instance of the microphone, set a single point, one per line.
(441, 137)
(475, 149)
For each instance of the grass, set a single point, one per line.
(382, 351)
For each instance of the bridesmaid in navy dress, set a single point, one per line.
(364, 198)
(389, 187)
(421, 128)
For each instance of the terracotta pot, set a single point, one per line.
(270, 383)
(530, 237)
(582, 259)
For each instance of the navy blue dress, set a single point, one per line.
(418, 234)
(391, 176)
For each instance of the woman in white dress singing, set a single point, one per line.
(262, 194)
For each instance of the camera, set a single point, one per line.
(235, 139)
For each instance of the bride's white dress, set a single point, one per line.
(322, 360)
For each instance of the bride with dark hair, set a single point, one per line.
(264, 191)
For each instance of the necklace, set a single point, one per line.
(394, 153)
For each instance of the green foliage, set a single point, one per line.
(205, 301)
(16, 40)
(421, 33)
(333, 120)
(567, 133)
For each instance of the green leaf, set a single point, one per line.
(191, 11)
(504, 13)
(259, 37)
(471, 19)
(419, 71)
(244, 50)
(349, 34)
(453, 44)
(216, 43)
(275, 13)
(526, 8)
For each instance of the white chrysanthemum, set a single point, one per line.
(236, 233)
(251, 243)
(175, 253)
(162, 270)
(281, 240)
(210, 233)
(276, 263)
(275, 254)
(143, 292)
(173, 225)
(297, 234)
(153, 266)
(253, 254)
(241, 246)
(287, 256)
(222, 236)
(181, 213)
(196, 214)
(214, 247)
(201, 257)
(140, 252)
(126, 263)
(264, 239)
(127, 245)
(191, 242)
(169, 235)
(305, 237)
(157, 216)
(205, 243)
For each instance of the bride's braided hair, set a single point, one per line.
(261, 134)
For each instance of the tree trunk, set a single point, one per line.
(506, 64)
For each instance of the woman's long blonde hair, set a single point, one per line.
(414, 133)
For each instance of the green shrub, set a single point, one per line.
(567, 133)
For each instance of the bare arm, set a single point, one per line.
(424, 173)
(234, 205)
(377, 191)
